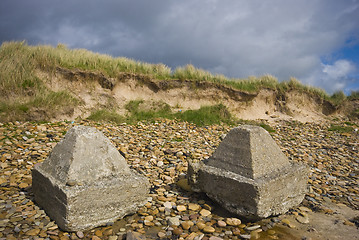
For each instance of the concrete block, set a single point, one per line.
(249, 175)
(86, 182)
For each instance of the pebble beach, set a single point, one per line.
(160, 150)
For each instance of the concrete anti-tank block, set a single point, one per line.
(86, 182)
(249, 175)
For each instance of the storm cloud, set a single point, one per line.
(237, 38)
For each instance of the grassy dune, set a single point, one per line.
(22, 90)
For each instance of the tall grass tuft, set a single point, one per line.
(206, 115)
(354, 95)
(17, 65)
(107, 116)
(338, 97)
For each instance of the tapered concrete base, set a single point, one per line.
(254, 199)
(86, 182)
(249, 175)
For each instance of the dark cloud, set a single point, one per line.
(235, 37)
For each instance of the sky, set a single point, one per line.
(315, 41)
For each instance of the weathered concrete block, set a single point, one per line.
(86, 182)
(249, 175)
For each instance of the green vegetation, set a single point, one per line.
(22, 59)
(354, 95)
(107, 116)
(341, 129)
(206, 115)
(140, 111)
(338, 97)
(267, 127)
(22, 89)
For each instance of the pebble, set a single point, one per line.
(161, 234)
(193, 206)
(233, 221)
(187, 225)
(302, 219)
(209, 229)
(173, 221)
(177, 231)
(251, 228)
(150, 149)
(33, 232)
(205, 212)
(168, 205)
(201, 225)
(181, 208)
(221, 223)
(215, 238)
(80, 234)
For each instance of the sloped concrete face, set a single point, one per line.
(249, 175)
(86, 182)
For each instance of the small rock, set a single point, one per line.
(302, 219)
(80, 234)
(177, 231)
(33, 232)
(305, 209)
(71, 183)
(135, 236)
(271, 232)
(201, 225)
(186, 225)
(209, 229)
(233, 221)
(161, 234)
(251, 228)
(17, 229)
(98, 233)
(215, 238)
(168, 205)
(23, 185)
(286, 221)
(221, 223)
(245, 236)
(193, 206)
(205, 212)
(181, 208)
(173, 221)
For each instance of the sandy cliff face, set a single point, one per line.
(96, 91)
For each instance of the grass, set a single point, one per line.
(206, 115)
(354, 95)
(22, 59)
(22, 90)
(139, 111)
(107, 116)
(50, 102)
(338, 97)
(341, 129)
(267, 127)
